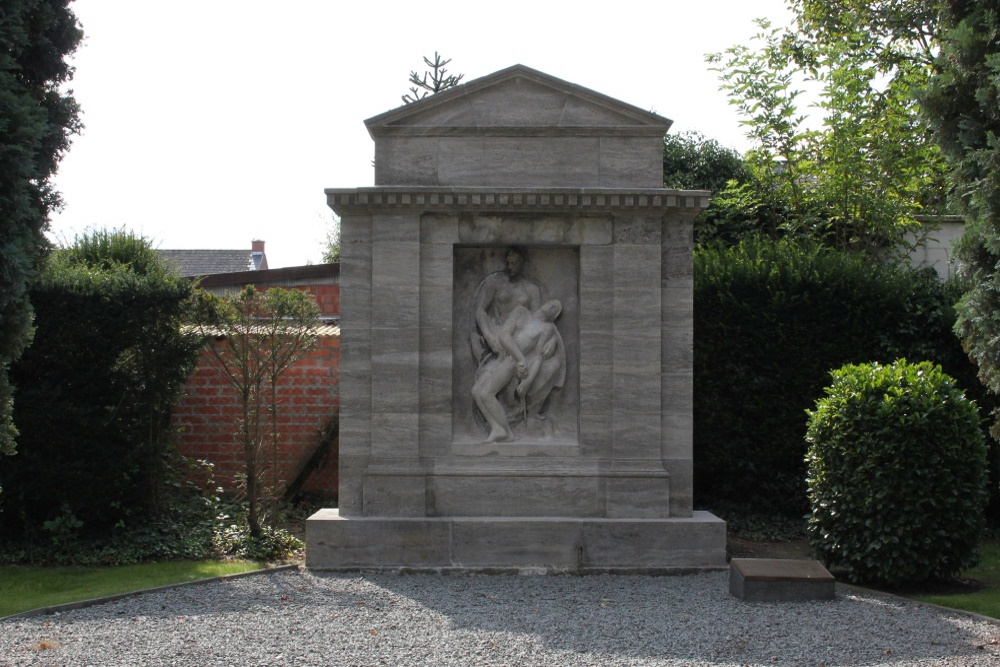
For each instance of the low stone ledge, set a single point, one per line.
(515, 544)
(779, 580)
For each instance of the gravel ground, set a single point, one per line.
(303, 618)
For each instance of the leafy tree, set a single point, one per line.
(263, 334)
(962, 103)
(37, 117)
(743, 210)
(692, 161)
(742, 206)
(431, 81)
(893, 31)
(857, 182)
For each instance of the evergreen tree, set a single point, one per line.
(37, 118)
(962, 103)
(432, 81)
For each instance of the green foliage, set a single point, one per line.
(693, 162)
(432, 81)
(892, 31)
(37, 117)
(263, 334)
(194, 523)
(740, 212)
(184, 529)
(897, 474)
(748, 523)
(97, 388)
(962, 103)
(857, 182)
(771, 320)
(331, 253)
(272, 544)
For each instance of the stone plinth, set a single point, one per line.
(552, 544)
(516, 361)
(779, 580)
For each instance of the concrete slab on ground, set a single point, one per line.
(779, 580)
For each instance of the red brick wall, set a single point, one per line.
(205, 416)
(327, 298)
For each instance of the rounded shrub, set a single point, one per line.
(896, 474)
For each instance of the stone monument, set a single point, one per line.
(516, 351)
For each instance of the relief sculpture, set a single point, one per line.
(518, 351)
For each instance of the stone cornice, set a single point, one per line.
(518, 131)
(507, 200)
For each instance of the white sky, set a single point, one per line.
(213, 122)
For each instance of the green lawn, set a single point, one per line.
(985, 601)
(23, 588)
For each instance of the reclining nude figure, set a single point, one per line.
(533, 352)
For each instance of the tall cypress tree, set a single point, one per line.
(37, 117)
(962, 103)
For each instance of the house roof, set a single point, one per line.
(210, 262)
(314, 277)
(325, 329)
(289, 276)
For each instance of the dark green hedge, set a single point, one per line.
(772, 319)
(96, 388)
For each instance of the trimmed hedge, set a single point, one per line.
(96, 389)
(897, 474)
(771, 320)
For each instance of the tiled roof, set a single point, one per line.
(208, 262)
(326, 329)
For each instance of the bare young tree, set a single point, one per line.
(258, 336)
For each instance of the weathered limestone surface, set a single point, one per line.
(519, 128)
(516, 340)
(506, 544)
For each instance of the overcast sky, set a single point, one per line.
(213, 122)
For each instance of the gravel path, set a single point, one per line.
(303, 618)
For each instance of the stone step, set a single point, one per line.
(779, 580)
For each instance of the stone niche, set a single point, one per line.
(516, 341)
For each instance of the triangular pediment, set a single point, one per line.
(517, 101)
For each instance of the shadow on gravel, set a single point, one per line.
(503, 620)
(685, 617)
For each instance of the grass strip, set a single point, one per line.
(23, 588)
(985, 601)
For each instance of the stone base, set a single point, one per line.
(779, 580)
(533, 544)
